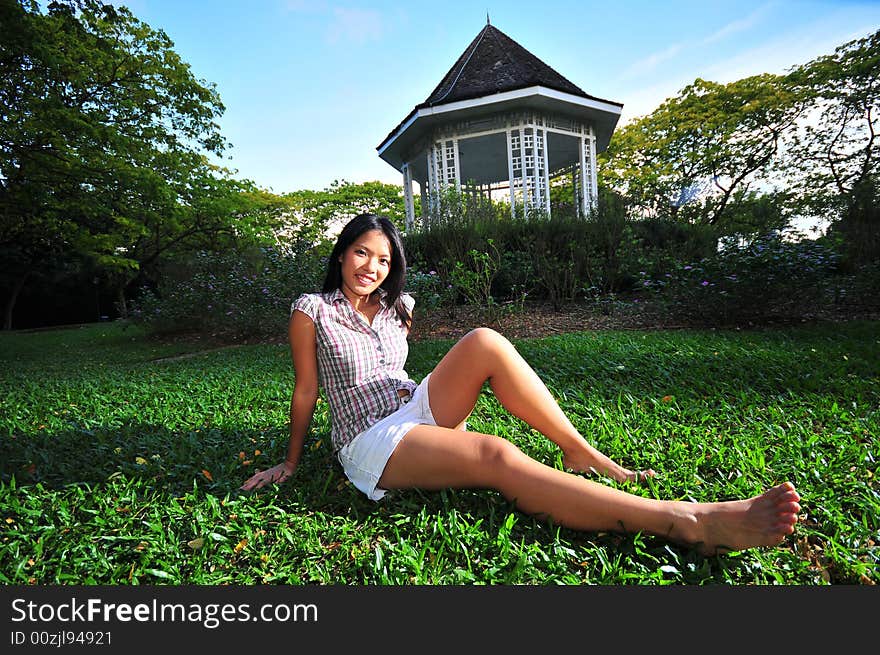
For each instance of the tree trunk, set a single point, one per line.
(13, 299)
(121, 304)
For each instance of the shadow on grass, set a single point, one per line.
(172, 461)
(219, 458)
(167, 464)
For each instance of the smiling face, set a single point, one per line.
(365, 264)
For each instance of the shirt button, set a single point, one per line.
(381, 361)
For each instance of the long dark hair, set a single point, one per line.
(393, 284)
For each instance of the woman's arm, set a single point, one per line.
(303, 348)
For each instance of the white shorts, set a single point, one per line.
(364, 458)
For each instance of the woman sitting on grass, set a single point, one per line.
(391, 433)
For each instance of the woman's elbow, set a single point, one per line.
(305, 394)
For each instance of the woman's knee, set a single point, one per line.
(496, 455)
(485, 338)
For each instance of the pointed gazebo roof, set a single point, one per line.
(493, 74)
(494, 63)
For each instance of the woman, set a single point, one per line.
(391, 433)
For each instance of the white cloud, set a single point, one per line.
(776, 56)
(652, 61)
(780, 55)
(737, 26)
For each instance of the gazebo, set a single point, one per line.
(501, 122)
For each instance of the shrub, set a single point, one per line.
(856, 290)
(431, 291)
(515, 276)
(857, 223)
(233, 294)
(768, 277)
(474, 277)
(554, 258)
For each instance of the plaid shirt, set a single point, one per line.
(360, 366)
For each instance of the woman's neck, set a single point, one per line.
(361, 303)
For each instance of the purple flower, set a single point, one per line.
(705, 283)
(688, 267)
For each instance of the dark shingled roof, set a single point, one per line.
(494, 63)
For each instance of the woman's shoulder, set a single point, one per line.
(309, 303)
(311, 297)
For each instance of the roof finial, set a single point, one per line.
(487, 18)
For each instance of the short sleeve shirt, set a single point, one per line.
(360, 366)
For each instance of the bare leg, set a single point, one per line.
(484, 355)
(432, 457)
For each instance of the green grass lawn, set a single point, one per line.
(120, 463)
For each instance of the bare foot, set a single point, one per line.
(763, 520)
(598, 464)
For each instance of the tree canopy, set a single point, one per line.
(808, 137)
(705, 144)
(315, 215)
(105, 139)
(836, 149)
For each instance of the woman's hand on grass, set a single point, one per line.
(275, 475)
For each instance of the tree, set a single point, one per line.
(837, 145)
(104, 138)
(209, 211)
(319, 215)
(833, 157)
(698, 150)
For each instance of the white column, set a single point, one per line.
(408, 197)
(594, 182)
(457, 165)
(536, 184)
(433, 183)
(510, 175)
(423, 191)
(429, 183)
(546, 164)
(444, 173)
(585, 189)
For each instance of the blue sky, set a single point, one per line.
(312, 87)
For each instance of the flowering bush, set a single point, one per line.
(430, 290)
(232, 294)
(768, 277)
